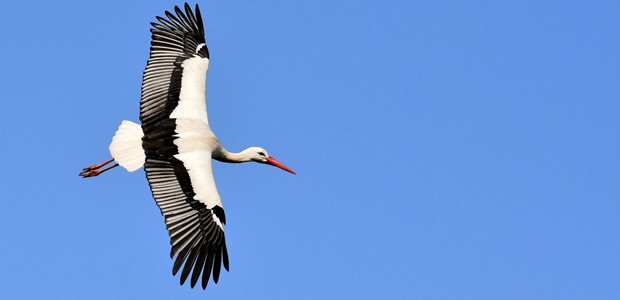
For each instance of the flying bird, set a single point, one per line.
(175, 145)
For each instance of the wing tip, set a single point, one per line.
(186, 26)
(202, 261)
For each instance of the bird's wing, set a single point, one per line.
(196, 227)
(174, 81)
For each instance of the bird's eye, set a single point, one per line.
(261, 154)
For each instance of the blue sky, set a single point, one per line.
(444, 150)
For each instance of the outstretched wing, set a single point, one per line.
(174, 81)
(196, 230)
(173, 90)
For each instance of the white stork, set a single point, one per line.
(175, 146)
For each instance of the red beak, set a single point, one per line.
(272, 161)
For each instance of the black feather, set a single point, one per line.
(179, 260)
(217, 265)
(225, 253)
(189, 263)
(206, 272)
(201, 28)
(174, 20)
(183, 18)
(200, 262)
(190, 15)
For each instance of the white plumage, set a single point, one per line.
(126, 146)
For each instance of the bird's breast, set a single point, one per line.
(194, 135)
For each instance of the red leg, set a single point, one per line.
(97, 166)
(93, 173)
(94, 170)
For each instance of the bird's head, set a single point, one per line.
(260, 155)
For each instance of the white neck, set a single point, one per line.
(223, 155)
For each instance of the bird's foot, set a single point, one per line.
(90, 173)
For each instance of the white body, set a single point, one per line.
(195, 140)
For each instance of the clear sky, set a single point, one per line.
(444, 150)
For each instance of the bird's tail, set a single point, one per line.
(126, 146)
